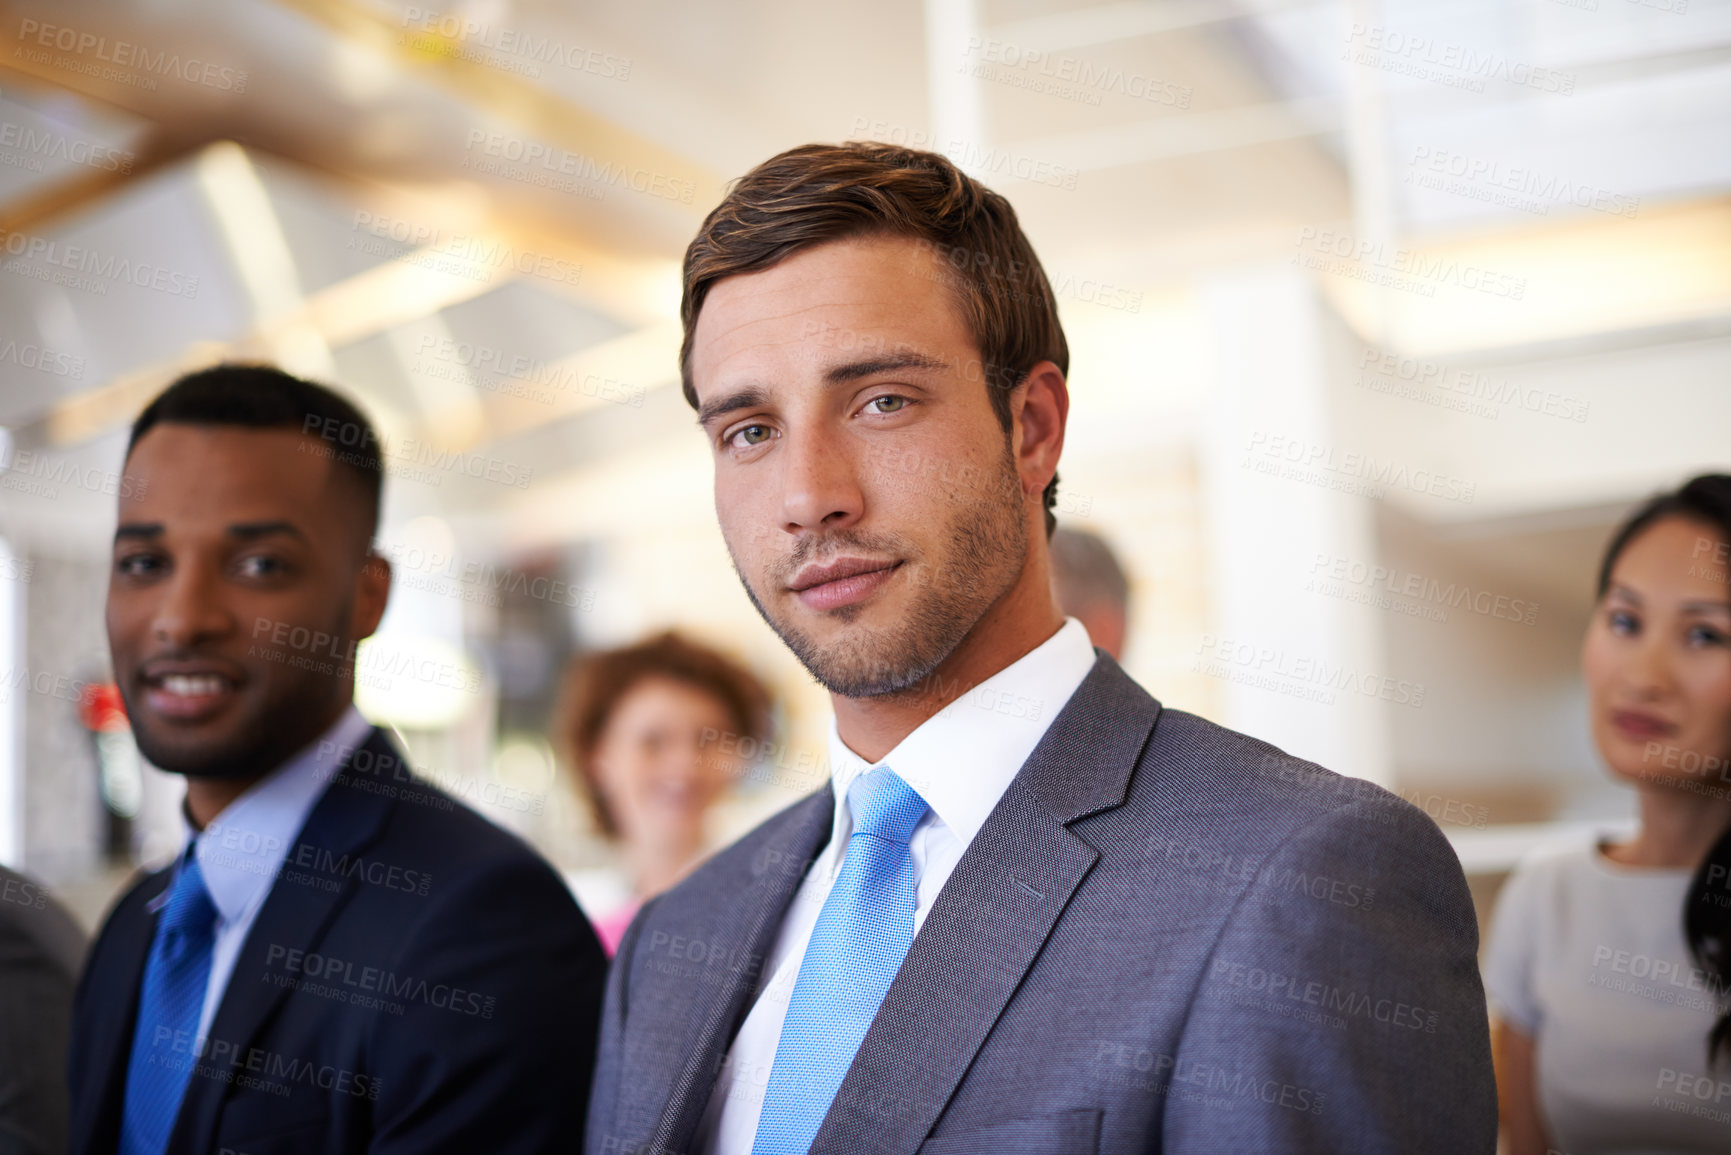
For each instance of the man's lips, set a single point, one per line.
(843, 582)
(188, 691)
(841, 567)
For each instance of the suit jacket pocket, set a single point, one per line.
(1061, 1133)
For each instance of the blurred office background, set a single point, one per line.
(1381, 311)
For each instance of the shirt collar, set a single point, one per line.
(963, 758)
(243, 847)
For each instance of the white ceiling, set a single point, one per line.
(1144, 144)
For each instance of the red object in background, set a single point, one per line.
(101, 709)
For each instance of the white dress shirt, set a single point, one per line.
(961, 761)
(243, 847)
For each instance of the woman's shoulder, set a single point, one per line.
(1563, 873)
(1559, 861)
(1573, 873)
(1542, 898)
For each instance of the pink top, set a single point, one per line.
(610, 928)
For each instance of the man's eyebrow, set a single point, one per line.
(854, 370)
(1624, 592)
(750, 395)
(1704, 606)
(246, 530)
(739, 399)
(255, 529)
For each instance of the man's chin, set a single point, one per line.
(212, 757)
(885, 645)
(861, 662)
(830, 627)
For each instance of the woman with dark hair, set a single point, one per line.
(1609, 963)
(656, 732)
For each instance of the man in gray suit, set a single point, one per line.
(1031, 910)
(41, 951)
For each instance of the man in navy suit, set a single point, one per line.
(341, 958)
(1032, 910)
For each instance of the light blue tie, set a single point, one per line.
(164, 1048)
(862, 934)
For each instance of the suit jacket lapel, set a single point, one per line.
(119, 978)
(345, 820)
(748, 923)
(990, 921)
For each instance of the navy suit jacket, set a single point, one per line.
(417, 980)
(1166, 937)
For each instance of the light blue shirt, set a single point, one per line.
(243, 848)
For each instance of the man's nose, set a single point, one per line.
(190, 610)
(820, 484)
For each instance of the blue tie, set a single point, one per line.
(862, 934)
(164, 1044)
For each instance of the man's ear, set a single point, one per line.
(372, 592)
(1039, 410)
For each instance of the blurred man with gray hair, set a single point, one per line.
(1091, 587)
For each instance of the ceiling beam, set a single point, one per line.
(43, 204)
(368, 303)
(507, 96)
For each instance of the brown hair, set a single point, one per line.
(818, 193)
(595, 684)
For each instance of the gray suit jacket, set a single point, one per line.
(1167, 937)
(41, 950)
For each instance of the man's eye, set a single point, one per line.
(135, 565)
(889, 403)
(749, 435)
(1623, 622)
(257, 566)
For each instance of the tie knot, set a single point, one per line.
(190, 910)
(884, 806)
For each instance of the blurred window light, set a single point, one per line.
(416, 682)
(414, 672)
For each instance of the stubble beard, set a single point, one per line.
(988, 547)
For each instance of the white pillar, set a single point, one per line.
(1303, 671)
(957, 108)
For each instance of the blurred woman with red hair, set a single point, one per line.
(656, 732)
